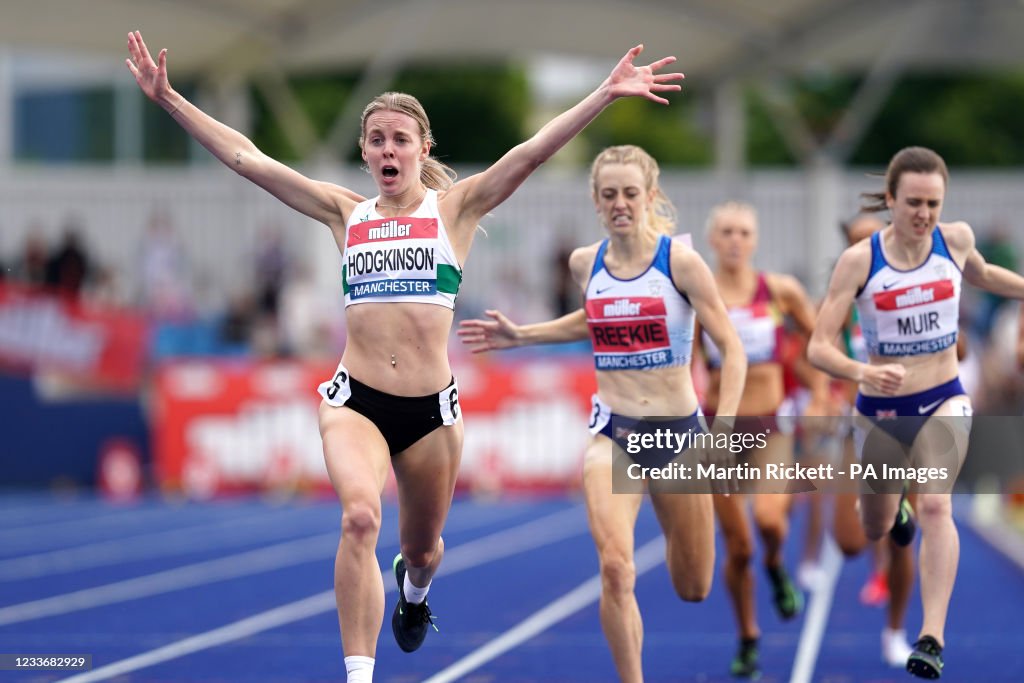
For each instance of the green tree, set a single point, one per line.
(969, 120)
(670, 134)
(476, 113)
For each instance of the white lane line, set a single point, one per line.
(33, 534)
(646, 558)
(222, 535)
(46, 509)
(268, 526)
(817, 613)
(996, 532)
(269, 558)
(499, 545)
(231, 567)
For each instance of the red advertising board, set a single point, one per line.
(220, 427)
(40, 330)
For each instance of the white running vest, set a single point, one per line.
(910, 312)
(402, 259)
(642, 323)
(759, 325)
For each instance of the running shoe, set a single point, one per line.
(410, 621)
(875, 592)
(902, 532)
(926, 659)
(787, 598)
(895, 649)
(809, 575)
(745, 665)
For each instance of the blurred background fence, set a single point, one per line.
(148, 298)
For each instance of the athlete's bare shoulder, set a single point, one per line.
(958, 235)
(857, 254)
(683, 257)
(853, 267)
(782, 284)
(581, 262)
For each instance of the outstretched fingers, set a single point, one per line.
(137, 50)
(475, 330)
(142, 45)
(664, 78)
(662, 63)
(660, 82)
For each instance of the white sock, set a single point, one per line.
(414, 594)
(360, 669)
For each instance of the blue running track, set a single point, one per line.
(241, 590)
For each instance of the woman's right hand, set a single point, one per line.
(489, 335)
(885, 379)
(151, 76)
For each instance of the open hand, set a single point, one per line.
(629, 80)
(151, 76)
(489, 335)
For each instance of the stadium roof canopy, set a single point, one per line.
(223, 44)
(712, 38)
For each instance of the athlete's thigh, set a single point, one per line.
(425, 473)
(941, 446)
(612, 516)
(770, 494)
(355, 453)
(731, 511)
(688, 521)
(846, 525)
(876, 448)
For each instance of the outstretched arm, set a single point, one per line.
(850, 270)
(694, 277)
(797, 305)
(502, 333)
(977, 271)
(481, 193)
(325, 202)
(993, 278)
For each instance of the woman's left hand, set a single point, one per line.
(629, 80)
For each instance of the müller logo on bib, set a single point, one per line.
(915, 295)
(626, 307)
(381, 230)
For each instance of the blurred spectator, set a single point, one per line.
(30, 269)
(998, 249)
(166, 284)
(516, 297)
(106, 289)
(306, 317)
(271, 263)
(567, 295)
(236, 327)
(1001, 390)
(69, 266)
(1020, 341)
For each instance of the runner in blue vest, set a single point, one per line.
(911, 410)
(641, 290)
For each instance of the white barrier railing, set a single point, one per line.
(221, 218)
